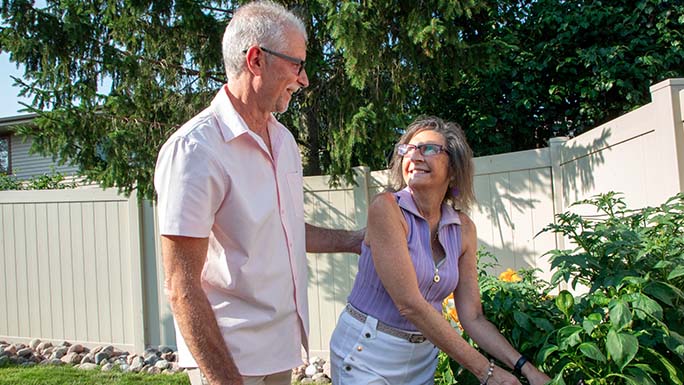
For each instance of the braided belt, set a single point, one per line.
(414, 338)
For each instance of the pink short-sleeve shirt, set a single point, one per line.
(215, 178)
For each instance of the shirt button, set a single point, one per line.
(347, 368)
(368, 335)
(359, 348)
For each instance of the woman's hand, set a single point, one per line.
(502, 377)
(535, 377)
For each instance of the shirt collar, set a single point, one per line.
(406, 202)
(231, 123)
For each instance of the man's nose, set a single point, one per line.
(303, 79)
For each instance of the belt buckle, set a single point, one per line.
(416, 338)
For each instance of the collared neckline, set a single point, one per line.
(406, 202)
(232, 125)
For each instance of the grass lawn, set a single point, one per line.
(67, 375)
(58, 375)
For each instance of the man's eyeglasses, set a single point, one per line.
(427, 149)
(291, 59)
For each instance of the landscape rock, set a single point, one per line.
(72, 358)
(101, 356)
(43, 346)
(25, 352)
(76, 348)
(87, 366)
(54, 362)
(321, 378)
(137, 364)
(34, 343)
(161, 364)
(88, 359)
(59, 352)
(104, 357)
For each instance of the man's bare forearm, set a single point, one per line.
(183, 261)
(322, 240)
(200, 331)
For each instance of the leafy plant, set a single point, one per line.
(520, 309)
(627, 328)
(52, 181)
(9, 182)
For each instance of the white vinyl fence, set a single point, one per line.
(71, 267)
(82, 265)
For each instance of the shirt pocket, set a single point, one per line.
(295, 185)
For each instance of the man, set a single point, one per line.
(230, 201)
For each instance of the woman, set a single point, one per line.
(419, 249)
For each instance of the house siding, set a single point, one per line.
(26, 166)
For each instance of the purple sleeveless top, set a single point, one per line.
(368, 293)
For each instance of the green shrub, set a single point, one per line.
(52, 181)
(521, 310)
(627, 328)
(9, 182)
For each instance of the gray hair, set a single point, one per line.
(460, 194)
(257, 23)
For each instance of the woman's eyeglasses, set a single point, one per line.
(427, 149)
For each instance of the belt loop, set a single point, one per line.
(370, 328)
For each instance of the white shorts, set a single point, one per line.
(360, 354)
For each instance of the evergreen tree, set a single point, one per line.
(111, 80)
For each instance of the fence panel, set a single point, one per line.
(331, 275)
(69, 267)
(514, 203)
(640, 154)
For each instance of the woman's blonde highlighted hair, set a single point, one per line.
(460, 193)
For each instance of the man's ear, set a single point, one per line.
(255, 60)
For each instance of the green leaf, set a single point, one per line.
(569, 336)
(565, 302)
(648, 306)
(620, 316)
(676, 273)
(662, 291)
(543, 324)
(522, 319)
(621, 347)
(672, 371)
(590, 322)
(558, 380)
(675, 342)
(592, 351)
(545, 352)
(639, 376)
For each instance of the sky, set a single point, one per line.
(9, 101)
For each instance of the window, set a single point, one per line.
(5, 161)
